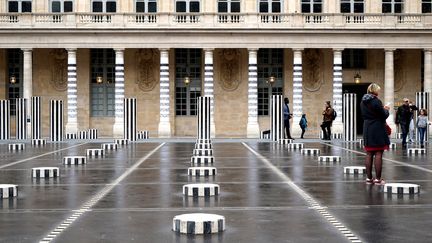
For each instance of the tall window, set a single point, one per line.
(229, 6)
(61, 6)
(104, 6)
(102, 93)
(145, 6)
(354, 58)
(426, 6)
(270, 6)
(311, 6)
(19, 6)
(15, 70)
(187, 6)
(270, 63)
(187, 64)
(352, 6)
(392, 6)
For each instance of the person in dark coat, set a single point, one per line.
(404, 115)
(287, 116)
(375, 136)
(328, 115)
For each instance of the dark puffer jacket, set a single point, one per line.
(374, 116)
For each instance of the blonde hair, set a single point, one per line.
(373, 88)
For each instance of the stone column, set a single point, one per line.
(72, 111)
(337, 90)
(252, 125)
(209, 87)
(164, 129)
(28, 83)
(297, 106)
(119, 93)
(389, 86)
(428, 79)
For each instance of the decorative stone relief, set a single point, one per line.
(146, 69)
(58, 69)
(229, 69)
(399, 73)
(312, 73)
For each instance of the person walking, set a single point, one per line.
(287, 116)
(422, 124)
(328, 114)
(303, 125)
(403, 118)
(375, 136)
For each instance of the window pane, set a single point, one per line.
(152, 7)
(13, 7)
(358, 8)
(111, 7)
(68, 6)
(194, 7)
(398, 8)
(345, 8)
(235, 7)
(26, 7)
(97, 7)
(386, 8)
(222, 7)
(317, 8)
(426, 8)
(263, 7)
(181, 7)
(55, 7)
(276, 7)
(306, 8)
(140, 7)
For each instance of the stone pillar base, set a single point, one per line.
(164, 130)
(71, 127)
(118, 130)
(253, 130)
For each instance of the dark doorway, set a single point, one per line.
(360, 90)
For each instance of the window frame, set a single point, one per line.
(104, 3)
(229, 5)
(270, 7)
(311, 4)
(188, 2)
(423, 3)
(19, 2)
(146, 4)
(62, 3)
(393, 3)
(352, 4)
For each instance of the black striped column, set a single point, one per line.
(204, 117)
(56, 120)
(36, 117)
(277, 124)
(337, 90)
(130, 119)
(252, 125)
(164, 129)
(349, 117)
(119, 93)
(422, 102)
(72, 111)
(4, 119)
(208, 85)
(21, 119)
(297, 91)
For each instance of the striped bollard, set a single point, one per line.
(349, 117)
(92, 133)
(36, 117)
(21, 119)
(130, 119)
(277, 125)
(56, 120)
(204, 118)
(4, 119)
(422, 102)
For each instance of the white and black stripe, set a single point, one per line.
(8, 191)
(198, 223)
(71, 136)
(337, 135)
(92, 133)
(401, 188)
(422, 102)
(203, 146)
(38, 142)
(45, 172)
(201, 190)
(297, 87)
(414, 151)
(337, 85)
(285, 141)
(130, 119)
(203, 141)
(310, 151)
(4, 119)
(164, 89)
(143, 135)
(95, 152)
(109, 146)
(56, 120)
(82, 135)
(265, 136)
(208, 82)
(202, 171)
(36, 117)
(204, 118)
(119, 83)
(392, 146)
(21, 119)
(295, 145)
(349, 117)
(329, 159)
(74, 160)
(253, 88)
(72, 111)
(277, 125)
(354, 170)
(202, 160)
(16, 146)
(121, 142)
(203, 152)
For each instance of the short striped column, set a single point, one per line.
(45, 172)
(82, 135)
(8, 191)
(208, 85)
(130, 119)
(143, 135)
(277, 125)
(74, 160)
(16, 146)
(36, 117)
(202, 171)
(38, 142)
(204, 112)
(56, 120)
(349, 117)
(422, 102)
(201, 190)
(109, 146)
(70, 136)
(297, 91)
(4, 119)
(21, 119)
(92, 133)
(198, 223)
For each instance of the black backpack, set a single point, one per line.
(334, 115)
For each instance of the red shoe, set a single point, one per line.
(379, 182)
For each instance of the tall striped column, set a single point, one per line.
(277, 125)
(208, 85)
(428, 79)
(72, 111)
(164, 129)
(4, 119)
(349, 117)
(36, 117)
(252, 125)
(204, 117)
(337, 90)
(130, 119)
(21, 119)
(297, 91)
(28, 79)
(389, 85)
(56, 120)
(422, 102)
(119, 93)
